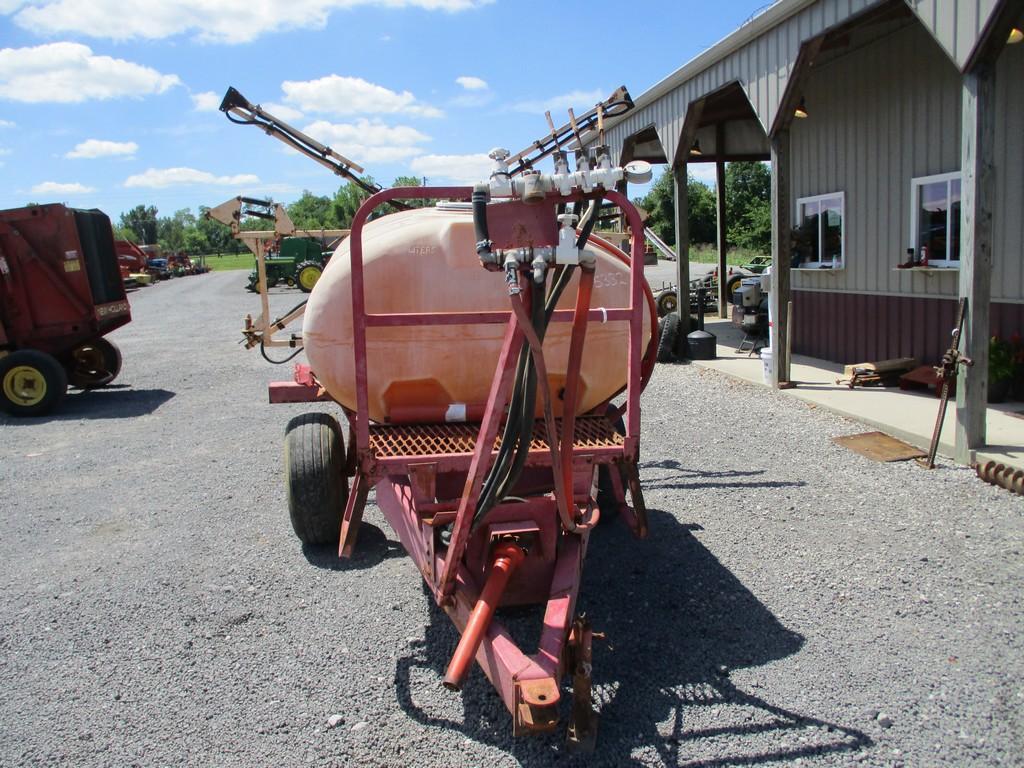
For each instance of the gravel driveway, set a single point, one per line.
(795, 603)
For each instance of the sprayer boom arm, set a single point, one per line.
(240, 110)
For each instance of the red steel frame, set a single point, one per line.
(554, 523)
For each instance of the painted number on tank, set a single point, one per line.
(611, 280)
(422, 250)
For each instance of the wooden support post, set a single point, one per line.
(977, 196)
(723, 298)
(682, 225)
(780, 257)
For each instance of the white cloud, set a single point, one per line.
(339, 95)
(57, 188)
(69, 73)
(207, 101)
(368, 141)
(703, 172)
(471, 83)
(461, 169)
(283, 112)
(226, 21)
(158, 178)
(4, 151)
(573, 99)
(6, 124)
(93, 148)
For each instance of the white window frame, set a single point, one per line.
(915, 187)
(820, 264)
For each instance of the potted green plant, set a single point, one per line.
(1000, 369)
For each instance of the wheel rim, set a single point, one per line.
(308, 277)
(90, 365)
(24, 385)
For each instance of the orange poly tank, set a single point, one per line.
(424, 260)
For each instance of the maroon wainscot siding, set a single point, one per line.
(857, 327)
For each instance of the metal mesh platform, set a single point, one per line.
(394, 441)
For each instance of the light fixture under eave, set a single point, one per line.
(1015, 36)
(695, 149)
(801, 110)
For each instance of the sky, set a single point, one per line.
(113, 103)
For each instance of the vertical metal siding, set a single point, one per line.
(762, 67)
(859, 327)
(1008, 216)
(881, 115)
(955, 24)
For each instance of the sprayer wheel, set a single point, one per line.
(606, 501)
(669, 332)
(315, 481)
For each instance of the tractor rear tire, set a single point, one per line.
(32, 383)
(732, 286)
(307, 274)
(317, 488)
(94, 364)
(669, 333)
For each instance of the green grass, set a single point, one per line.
(705, 253)
(228, 261)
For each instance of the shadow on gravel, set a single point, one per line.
(372, 548)
(677, 622)
(680, 477)
(111, 402)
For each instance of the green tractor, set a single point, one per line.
(299, 262)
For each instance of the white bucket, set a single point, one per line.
(767, 363)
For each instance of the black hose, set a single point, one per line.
(483, 237)
(269, 359)
(588, 223)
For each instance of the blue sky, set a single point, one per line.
(112, 103)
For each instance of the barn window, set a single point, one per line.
(819, 236)
(935, 218)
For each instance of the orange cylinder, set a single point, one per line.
(424, 260)
(507, 558)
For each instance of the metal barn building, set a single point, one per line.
(891, 126)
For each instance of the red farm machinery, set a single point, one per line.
(488, 354)
(61, 292)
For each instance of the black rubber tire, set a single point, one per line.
(667, 302)
(731, 286)
(605, 490)
(668, 333)
(315, 481)
(94, 364)
(304, 283)
(46, 368)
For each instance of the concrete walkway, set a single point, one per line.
(909, 416)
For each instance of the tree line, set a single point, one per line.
(195, 233)
(747, 202)
(747, 205)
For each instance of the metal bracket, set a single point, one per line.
(582, 733)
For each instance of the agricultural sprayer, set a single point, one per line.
(488, 354)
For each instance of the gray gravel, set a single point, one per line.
(795, 603)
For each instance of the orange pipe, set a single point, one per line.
(507, 558)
